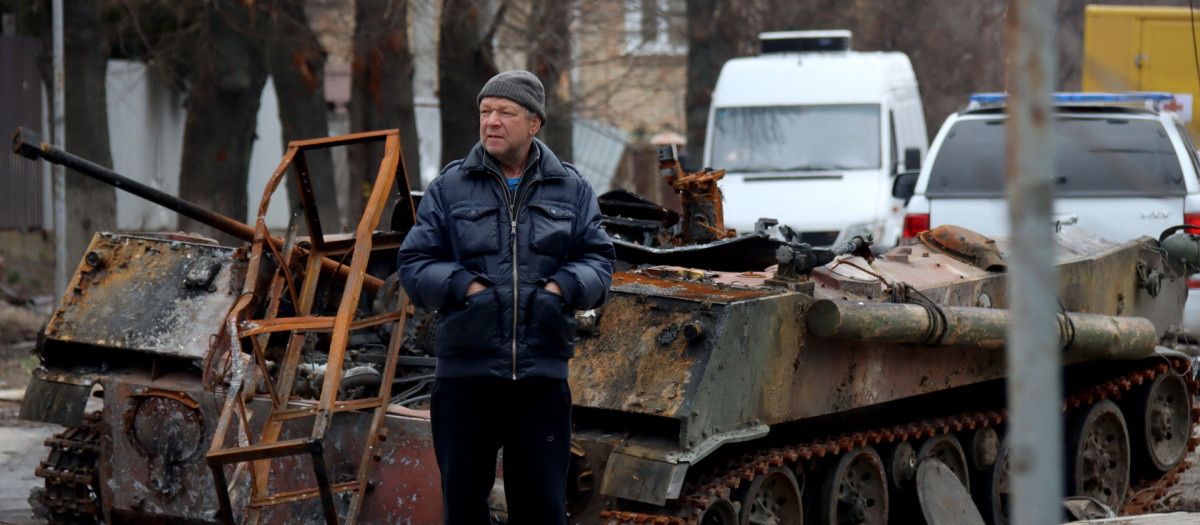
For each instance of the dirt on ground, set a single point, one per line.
(26, 301)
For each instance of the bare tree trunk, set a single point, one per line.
(222, 111)
(381, 96)
(91, 205)
(550, 59)
(296, 61)
(967, 56)
(785, 15)
(465, 63)
(718, 30)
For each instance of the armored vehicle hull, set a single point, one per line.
(261, 384)
(731, 382)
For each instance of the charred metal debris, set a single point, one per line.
(729, 379)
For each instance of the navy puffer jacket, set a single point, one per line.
(471, 227)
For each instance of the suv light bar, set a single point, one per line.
(1151, 100)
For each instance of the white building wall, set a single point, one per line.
(425, 100)
(268, 151)
(146, 119)
(145, 129)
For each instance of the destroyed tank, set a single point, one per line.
(728, 379)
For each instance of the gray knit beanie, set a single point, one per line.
(521, 87)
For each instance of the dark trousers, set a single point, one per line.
(531, 418)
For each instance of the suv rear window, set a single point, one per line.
(1114, 156)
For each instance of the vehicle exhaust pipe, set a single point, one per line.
(1081, 336)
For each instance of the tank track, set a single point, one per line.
(72, 488)
(698, 497)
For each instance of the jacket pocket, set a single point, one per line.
(476, 228)
(551, 330)
(473, 329)
(550, 228)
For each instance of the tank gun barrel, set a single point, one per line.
(29, 144)
(1082, 336)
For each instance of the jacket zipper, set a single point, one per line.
(512, 216)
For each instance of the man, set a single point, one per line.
(507, 245)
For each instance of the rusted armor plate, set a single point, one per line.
(161, 296)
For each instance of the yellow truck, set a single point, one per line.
(1143, 48)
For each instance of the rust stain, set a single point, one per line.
(964, 245)
(307, 77)
(641, 363)
(375, 77)
(123, 275)
(642, 284)
(177, 395)
(784, 364)
(1039, 113)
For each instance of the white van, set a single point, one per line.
(811, 134)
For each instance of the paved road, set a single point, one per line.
(22, 449)
(1185, 495)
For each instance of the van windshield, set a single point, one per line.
(796, 138)
(1094, 157)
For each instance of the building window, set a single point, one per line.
(655, 27)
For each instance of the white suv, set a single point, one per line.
(1124, 167)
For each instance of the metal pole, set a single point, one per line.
(60, 137)
(1034, 388)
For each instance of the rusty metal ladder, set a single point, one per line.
(255, 457)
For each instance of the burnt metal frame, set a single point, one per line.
(700, 196)
(240, 325)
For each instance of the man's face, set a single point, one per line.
(504, 126)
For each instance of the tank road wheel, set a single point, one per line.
(855, 491)
(1159, 423)
(1098, 453)
(772, 499)
(901, 464)
(947, 449)
(719, 512)
(994, 494)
